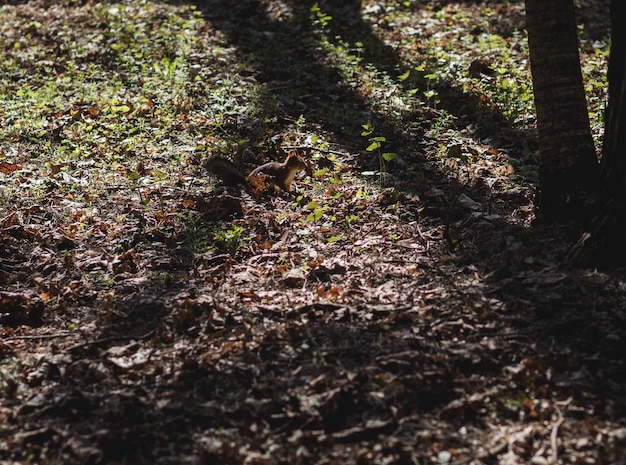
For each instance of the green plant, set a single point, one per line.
(101, 279)
(321, 18)
(429, 93)
(375, 145)
(317, 211)
(166, 68)
(165, 279)
(197, 232)
(230, 240)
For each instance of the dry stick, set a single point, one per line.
(109, 339)
(374, 226)
(554, 436)
(307, 147)
(39, 336)
(421, 235)
(555, 432)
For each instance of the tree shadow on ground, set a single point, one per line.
(301, 76)
(286, 58)
(514, 259)
(298, 78)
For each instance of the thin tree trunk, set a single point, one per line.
(604, 242)
(613, 170)
(568, 162)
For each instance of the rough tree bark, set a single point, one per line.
(568, 166)
(604, 242)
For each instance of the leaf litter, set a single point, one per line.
(420, 315)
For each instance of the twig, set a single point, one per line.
(109, 339)
(262, 256)
(374, 226)
(420, 234)
(308, 147)
(554, 437)
(555, 432)
(39, 336)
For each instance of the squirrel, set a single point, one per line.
(277, 173)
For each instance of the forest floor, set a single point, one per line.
(405, 305)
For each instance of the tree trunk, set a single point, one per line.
(604, 241)
(613, 172)
(568, 165)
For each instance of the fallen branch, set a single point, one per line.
(104, 340)
(36, 336)
(555, 432)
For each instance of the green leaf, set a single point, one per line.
(388, 156)
(368, 129)
(373, 146)
(404, 76)
(332, 239)
(159, 175)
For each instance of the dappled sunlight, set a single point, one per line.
(400, 304)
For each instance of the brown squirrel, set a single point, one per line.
(280, 174)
